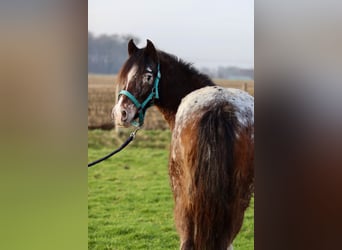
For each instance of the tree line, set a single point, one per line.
(107, 53)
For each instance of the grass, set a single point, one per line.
(130, 205)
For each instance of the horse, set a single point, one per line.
(211, 160)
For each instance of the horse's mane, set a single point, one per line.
(186, 66)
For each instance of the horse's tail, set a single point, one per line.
(212, 192)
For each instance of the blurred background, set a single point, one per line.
(44, 127)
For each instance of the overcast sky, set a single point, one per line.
(207, 33)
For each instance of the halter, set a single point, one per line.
(142, 107)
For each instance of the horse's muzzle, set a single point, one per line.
(123, 115)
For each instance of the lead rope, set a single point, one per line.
(128, 141)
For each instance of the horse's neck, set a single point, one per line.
(176, 82)
(169, 116)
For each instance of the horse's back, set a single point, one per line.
(211, 164)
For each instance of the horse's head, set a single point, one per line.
(139, 79)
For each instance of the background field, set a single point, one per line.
(102, 94)
(130, 205)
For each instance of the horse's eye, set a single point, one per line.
(147, 78)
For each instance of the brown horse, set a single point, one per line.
(211, 163)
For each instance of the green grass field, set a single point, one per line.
(130, 205)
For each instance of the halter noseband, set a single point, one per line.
(142, 107)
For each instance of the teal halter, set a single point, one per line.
(142, 107)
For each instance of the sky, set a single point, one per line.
(207, 33)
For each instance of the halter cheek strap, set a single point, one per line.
(142, 107)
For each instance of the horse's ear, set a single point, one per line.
(132, 48)
(151, 51)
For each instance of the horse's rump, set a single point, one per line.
(211, 177)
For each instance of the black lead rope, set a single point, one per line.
(128, 141)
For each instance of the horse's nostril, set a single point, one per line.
(123, 114)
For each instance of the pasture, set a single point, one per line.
(130, 205)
